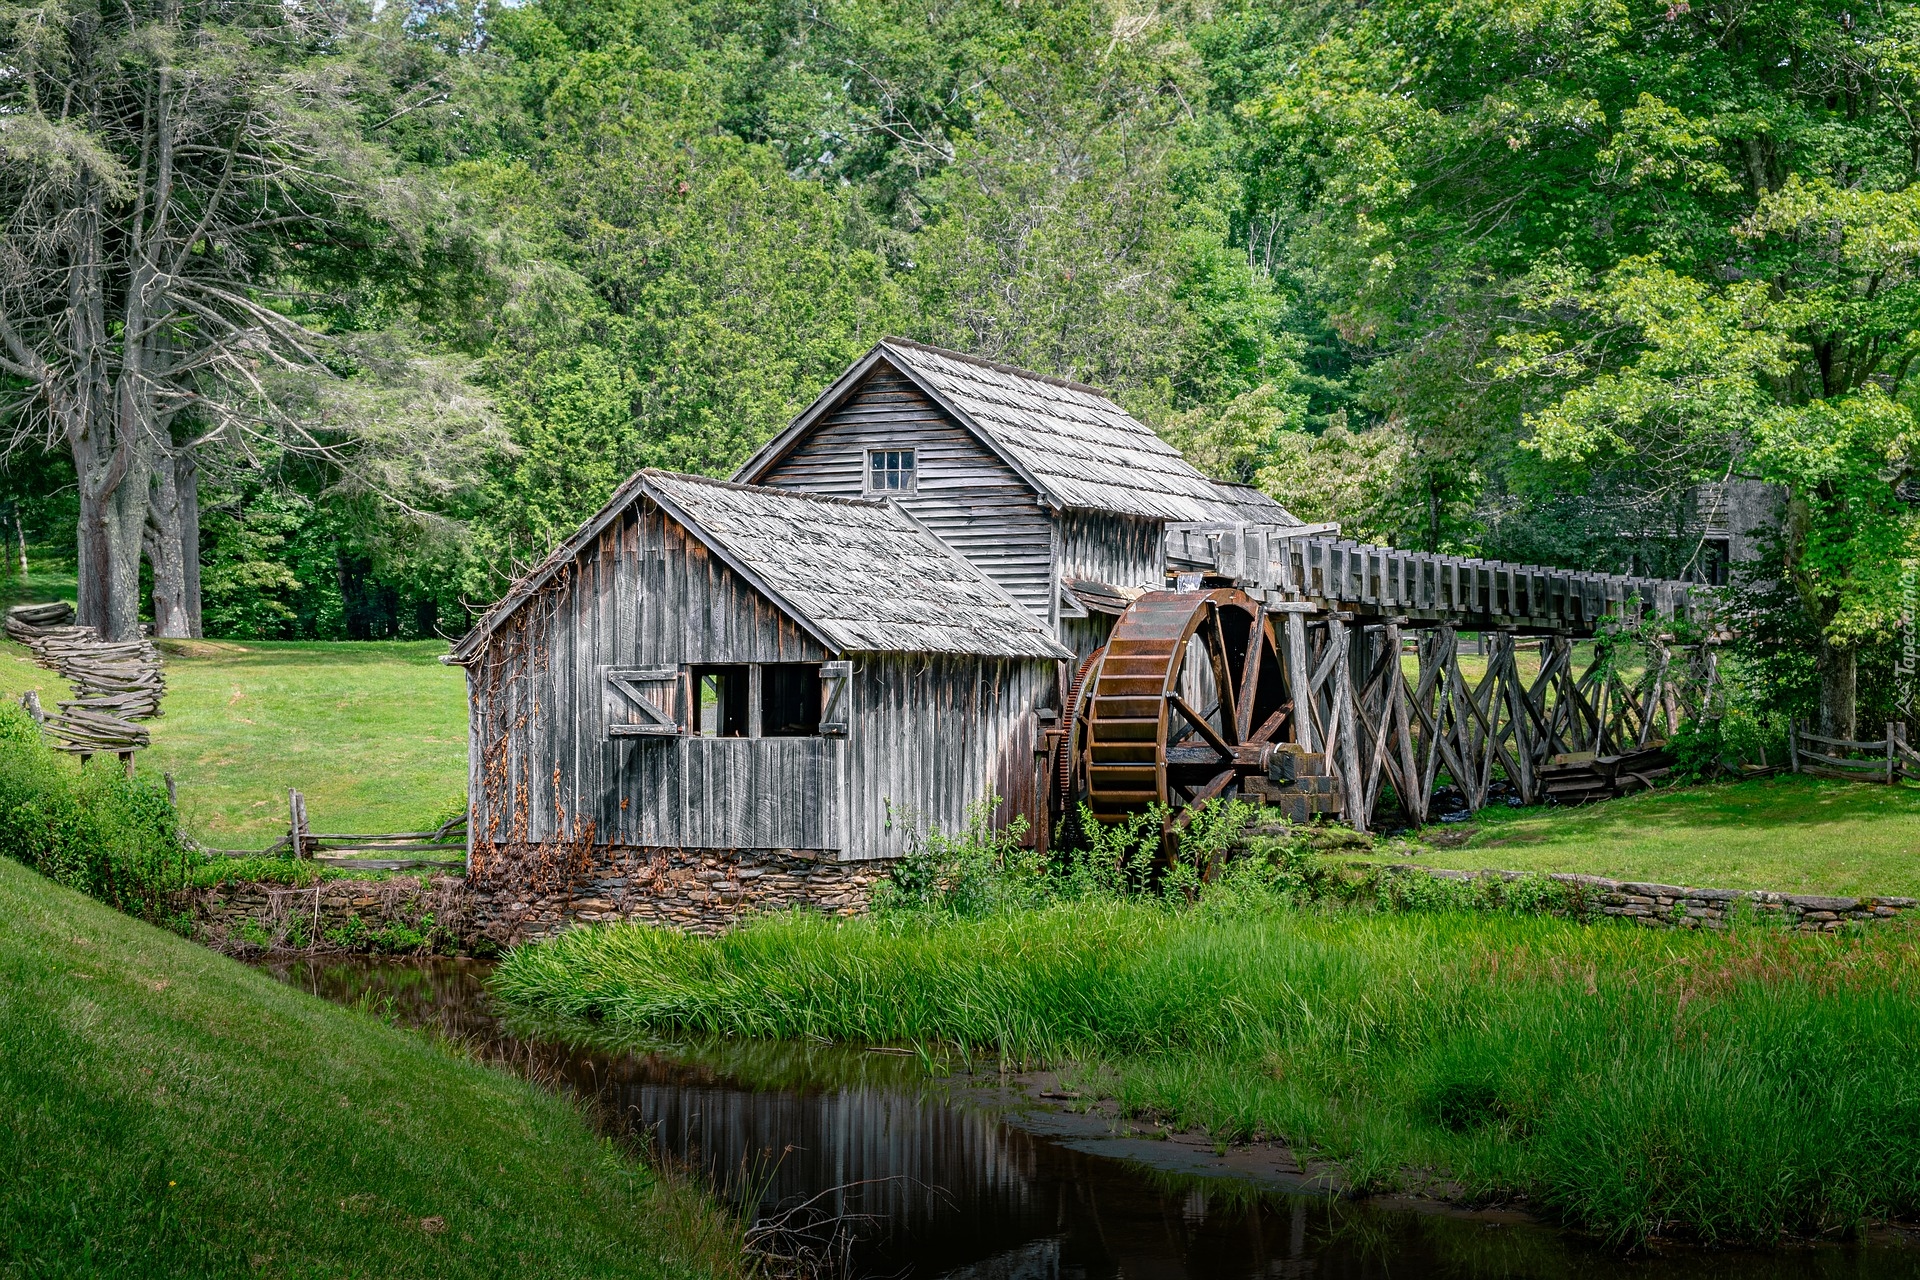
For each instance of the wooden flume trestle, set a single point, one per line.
(1323, 675)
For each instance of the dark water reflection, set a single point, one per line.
(941, 1180)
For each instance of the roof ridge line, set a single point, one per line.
(1012, 369)
(869, 504)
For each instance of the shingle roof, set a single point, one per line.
(863, 575)
(1084, 450)
(1253, 506)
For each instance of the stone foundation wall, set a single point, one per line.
(708, 891)
(405, 913)
(1668, 906)
(702, 891)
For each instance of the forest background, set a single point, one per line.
(1496, 278)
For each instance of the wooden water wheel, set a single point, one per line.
(1184, 702)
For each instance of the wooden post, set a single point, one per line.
(297, 824)
(1793, 745)
(30, 700)
(173, 796)
(126, 762)
(1354, 785)
(1300, 681)
(1889, 753)
(1413, 796)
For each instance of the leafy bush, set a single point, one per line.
(980, 870)
(966, 873)
(1720, 744)
(96, 830)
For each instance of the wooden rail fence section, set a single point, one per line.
(393, 851)
(1887, 759)
(115, 684)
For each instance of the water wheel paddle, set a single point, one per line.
(1185, 701)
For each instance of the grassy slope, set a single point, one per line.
(374, 733)
(1795, 834)
(1731, 1085)
(171, 1112)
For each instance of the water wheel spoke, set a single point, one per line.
(1216, 642)
(1271, 724)
(1221, 781)
(1199, 722)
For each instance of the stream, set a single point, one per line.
(924, 1175)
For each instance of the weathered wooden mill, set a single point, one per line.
(949, 579)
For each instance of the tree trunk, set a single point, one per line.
(187, 473)
(173, 545)
(111, 529)
(164, 552)
(1837, 691)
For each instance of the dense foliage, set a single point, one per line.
(1511, 281)
(95, 830)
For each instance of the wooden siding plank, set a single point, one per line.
(964, 494)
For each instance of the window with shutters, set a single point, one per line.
(790, 700)
(890, 471)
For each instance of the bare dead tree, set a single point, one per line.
(163, 166)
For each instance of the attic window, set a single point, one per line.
(720, 702)
(890, 471)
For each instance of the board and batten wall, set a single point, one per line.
(932, 735)
(964, 493)
(644, 594)
(1104, 546)
(929, 735)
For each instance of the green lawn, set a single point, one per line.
(1791, 833)
(171, 1112)
(374, 733)
(46, 580)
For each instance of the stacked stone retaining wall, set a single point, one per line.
(1661, 906)
(701, 891)
(706, 892)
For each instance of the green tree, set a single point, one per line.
(1678, 242)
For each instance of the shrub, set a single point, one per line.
(109, 836)
(979, 870)
(967, 873)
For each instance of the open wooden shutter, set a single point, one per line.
(643, 702)
(835, 699)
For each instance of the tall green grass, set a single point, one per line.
(1734, 1087)
(96, 830)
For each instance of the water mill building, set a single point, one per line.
(946, 579)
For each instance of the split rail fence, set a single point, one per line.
(1888, 759)
(392, 851)
(115, 683)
